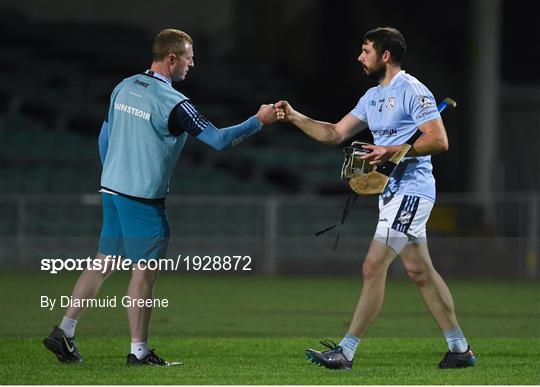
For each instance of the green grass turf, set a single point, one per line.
(253, 330)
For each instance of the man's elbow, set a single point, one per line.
(335, 139)
(219, 146)
(217, 143)
(444, 145)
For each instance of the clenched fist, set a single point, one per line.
(284, 111)
(267, 114)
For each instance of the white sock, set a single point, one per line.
(140, 349)
(68, 326)
(456, 340)
(348, 345)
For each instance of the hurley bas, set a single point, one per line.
(107, 302)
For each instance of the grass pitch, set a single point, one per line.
(254, 330)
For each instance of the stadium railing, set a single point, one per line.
(467, 235)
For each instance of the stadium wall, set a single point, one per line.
(277, 232)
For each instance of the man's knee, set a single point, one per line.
(96, 274)
(418, 265)
(418, 275)
(144, 276)
(371, 269)
(377, 261)
(104, 265)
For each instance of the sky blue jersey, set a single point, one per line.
(393, 113)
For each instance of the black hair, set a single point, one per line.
(387, 38)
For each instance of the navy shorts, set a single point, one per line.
(133, 229)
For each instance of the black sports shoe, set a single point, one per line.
(150, 359)
(64, 348)
(458, 359)
(332, 358)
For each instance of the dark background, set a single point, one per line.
(252, 52)
(61, 59)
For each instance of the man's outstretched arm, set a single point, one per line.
(185, 118)
(325, 132)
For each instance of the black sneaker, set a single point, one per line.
(150, 359)
(458, 359)
(332, 358)
(64, 348)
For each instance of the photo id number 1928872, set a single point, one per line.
(218, 263)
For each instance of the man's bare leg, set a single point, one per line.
(88, 285)
(60, 340)
(141, 286)
(374, 271)
(439, 302)
(434, 291)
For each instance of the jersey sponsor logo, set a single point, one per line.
(141, 83)
(131, 110)
(425, 101)
(419, 116)
(385, 132)
(390, 103)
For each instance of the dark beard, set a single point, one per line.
(378, 74)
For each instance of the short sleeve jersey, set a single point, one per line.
(393, 113)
